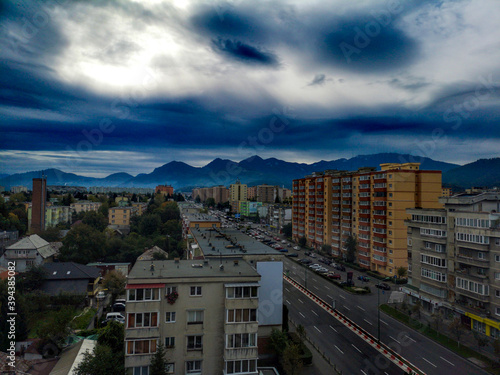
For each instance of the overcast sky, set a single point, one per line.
(96, 87)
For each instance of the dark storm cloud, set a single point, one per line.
(244, 52)
(318, 80)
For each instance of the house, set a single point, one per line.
(149, 253)
(27, 252)
(70, 278)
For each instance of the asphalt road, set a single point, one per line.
(362, 309)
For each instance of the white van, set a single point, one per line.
(116, 316)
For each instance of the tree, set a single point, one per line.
(158, 361)
(95, 220)
(326, 249)
(67, 200)
(50, 234)
(278, 341)
(159, 256)
(351, 245)
(456, 329)
(402, 272)
(149, 224)
(210, 202)
(301, 331)
(287, 230)
(102, 361)
(291, 360)
(115, 282)
(417, 307)
(481, 339)
(112, 336)
(56, 327)
(83, 244)
(277, 200)
(32, 279)
(437, 320)
(197, 199)
(302, 241)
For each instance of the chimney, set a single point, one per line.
(176, 260)
(236, 262)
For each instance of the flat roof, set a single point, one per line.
(167, 269)
(194, 217)
(218, 242)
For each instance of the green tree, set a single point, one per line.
(287, 230)
(115, 282)
(437, 320)
(95, 220)
(67, 200)
(302, 241)
(83, 244)
(158, 361)
(351, 245)
(112, 336)
(159, 256)
(291, 361)
(173, 228)
(402, 272)
(326, 249)
(56, 327)
(210, 202)
(417, 308)
(149, 224)
(50, 234)
(456, 329)
(278, 341)
(32, 279)
(101, 361)
(301, 331)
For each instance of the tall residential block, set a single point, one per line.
(454, 259)
(237, 193)
(38, 206)
(205, 312)
(370, 205)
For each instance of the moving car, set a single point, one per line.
(383, 286)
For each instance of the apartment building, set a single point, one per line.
(18, 189)
(205, 313)
(266, 193)
(164, 190)
(121, 215)
(53, 215)
(85, 206)
(252, 192)
(237, 193)
(247, 208)
(454, 259)
(371, 205)
(219, 193)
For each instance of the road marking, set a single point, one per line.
(287, 290)
(347, 308)
(315, 287)
(302, 315)
(300, 300)
(287, 301)
(359, 307)
(314, 313)
(429, 362)
(410, 338)
(341, 296)
(367, 322)
(333, 329)
(317, 329)
(339, 349)
(356, 348)
(329, 296)
(327, 287)
(394, 339)
(447, 361)
(363, 372)
(384, 322)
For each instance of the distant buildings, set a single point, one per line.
(164, 190)
(85, 206)
(237, 193)
(368, 204)
(454, 259)
(247, 208)
(53, 215)
(220, 194)
(121, 215)
(118, 190)
(18, 189)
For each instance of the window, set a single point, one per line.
(478, 326)
(497, 311)
(432, 232)
(433, 275)
(497, 258)
(170, 368)
(143, 294)
(195, 316)
(170, 289)
(472, 286)
(241, 315)
(169, 342)
(170, 317)
(142, 320)
(243, 366)
(433, 261)
(390, 261)
(194, 342)
(195, 291)
(193, 367)
(142, 370)
(241, 340)
(497, 275)
(497, 241)
(242, 292)
(497, 293)
(473, 238)
(135, 347)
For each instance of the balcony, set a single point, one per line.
(483, 263)
(240, 353)
(475, 296)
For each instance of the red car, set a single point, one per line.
(334, 276)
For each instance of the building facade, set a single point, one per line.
(28, 252)
(121, 215)
(369, 205)
(164, 190)
(206, 315)
(85, 206)
(219, 193)
(454, 259)
(237, 193)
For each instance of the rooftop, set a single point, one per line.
(193, 217)
(227, 241)
(166, 269)
(29, 243)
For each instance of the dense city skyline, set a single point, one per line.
(127, 86)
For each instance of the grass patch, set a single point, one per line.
(83, 320)
(444, 340)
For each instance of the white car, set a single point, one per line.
(100, 295)
(296, 248)
(315, 265)
(283, 241)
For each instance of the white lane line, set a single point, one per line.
(363, 372)
(327, 288)
(347, 308)
(384, 322)
(302, 315)
(287, 301)
(339, 349)
(300, 300)
(315, 287)
(447, 361)
(341, 296)
(329, 296)
(359, 307)
(367, 322)
(409, 338)
(429, 362)
(394, 339)
(288, 290)
(317, 329)
(314, 313)
(356, 348)
(333, 329)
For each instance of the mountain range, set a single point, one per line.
(255, 170)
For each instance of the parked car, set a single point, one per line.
(332, 275)
(283, 241)
(312, 255)
(292, 255)
(305, 261)
(383, 286)
(307, 253)
(282, 250)
(101, 295)
(314, 266)
(363, 278)
(340, 267)
(115, 316)
(296, 248)
(117, 307)
(322, 270)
